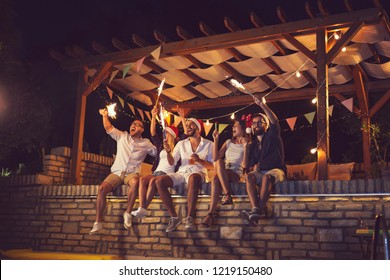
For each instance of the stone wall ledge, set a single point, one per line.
(26, 180)
(286, 188)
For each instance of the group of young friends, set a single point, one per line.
(258, 159)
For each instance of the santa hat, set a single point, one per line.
(198, 123)
(172, 130)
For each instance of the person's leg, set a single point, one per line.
(163, 183)
(251, 188)
(152, 189)
(133, 183)
(194, 183)
(215, 194)
(143, 190)
(104, 189)
(265, 191)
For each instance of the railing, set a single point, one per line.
(380, 222)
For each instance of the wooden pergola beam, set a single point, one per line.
(228, 40)
(380, 103)
(97, 78)
(289, 38)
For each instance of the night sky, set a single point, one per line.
(53, 25)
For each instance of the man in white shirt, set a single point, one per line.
(131, 151)
(195, 154)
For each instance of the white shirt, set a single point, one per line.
(234, 153)
(164, 165)
(183, 151)
(130, 153)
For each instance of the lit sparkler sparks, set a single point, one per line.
(111, 110)
(160, 88)
(162, 119)
(238, 85)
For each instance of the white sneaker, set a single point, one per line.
(127, 220)
(140, 213)
(97, 228)
(173, 223)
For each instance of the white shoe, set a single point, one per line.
(97, 228)
(140, 213)
(127, 223)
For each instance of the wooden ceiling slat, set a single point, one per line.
(80, 51)
(309, 10)
(268, 81)
(99, 48)
(70, 52)
(281, 14)
(309, 78)
(57, 55)
(183, 34)
(257, 22)
(228, 40)
(119, 44)
(348, 6)
(321, 6)
(309, 54)
(287, 95)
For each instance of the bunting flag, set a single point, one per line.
(148, 115)
(291, 122)
(109, 92)
(310, 117)
(125, 70)
(221, 127)
(113, 74)
(348, 104)
(139, 63)
(121, 101)
(207, 128)
(330, 110)
(131, 108)
(168, 119)
(176, 120)
(156, 53)
(141, 113)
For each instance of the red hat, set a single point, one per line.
(198, 123)
(172, 130)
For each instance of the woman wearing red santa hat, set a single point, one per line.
(229, 164)
(161, 166)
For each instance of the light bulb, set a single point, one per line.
(207, 122)
(337, 35)
(313, 150)
(344, 49)
(298, 74)
(232, 116)
(314, 100)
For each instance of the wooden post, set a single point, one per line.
(322, 106)
(78, 133)
(365, 119)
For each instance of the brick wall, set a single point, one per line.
(301, 226)
(94, 168)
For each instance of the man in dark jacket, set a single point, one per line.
(266, 157)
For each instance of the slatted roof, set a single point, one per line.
(264, 58)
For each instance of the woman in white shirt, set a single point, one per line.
(229, 164)
(161, 166)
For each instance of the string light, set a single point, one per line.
(208, 122)
(313, 150)
(343, 49)
(232, 116)
(298, 74)
(337, 35)
(314, 100)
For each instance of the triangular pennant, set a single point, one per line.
(139, 63)
(348, 104)
(168, 119)
(221, 127)
(121, 101)
(330, 110)
(176, 120)
(113, 74)
(148, 115)
(109, 92)
(125, 70)
(310, 117)
(291, 122)
(131, 108)
(141, 113)
(156, 53)
(207, 127)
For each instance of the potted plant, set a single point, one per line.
(380, 141)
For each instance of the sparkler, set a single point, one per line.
(162, 120)
(111, 110)
(160, 88)
(238, 85)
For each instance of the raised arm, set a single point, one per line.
(106, 122)
(270, 114)
(181, 113)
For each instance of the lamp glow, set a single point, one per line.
(232, 116)
(298, 74)
(344, 49)
(313, 150)
(314, 100)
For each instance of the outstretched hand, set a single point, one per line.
(103, 112)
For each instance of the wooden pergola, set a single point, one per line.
(198, 70)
